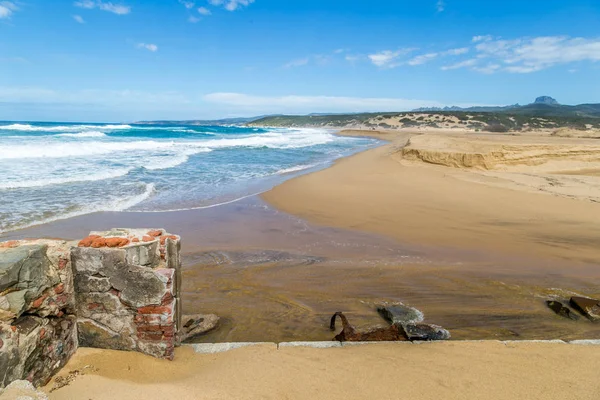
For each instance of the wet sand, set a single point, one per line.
(469, 265)
(459, 370)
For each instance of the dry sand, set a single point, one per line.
(451, 370)
(391, 192)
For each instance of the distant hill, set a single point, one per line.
(543, 106)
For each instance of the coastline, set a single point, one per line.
(378, 191)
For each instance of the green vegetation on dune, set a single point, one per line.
(537, 116)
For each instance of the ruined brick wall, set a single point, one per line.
(38, 332)
(127, 285)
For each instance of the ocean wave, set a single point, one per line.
(274, 140)
(115, 205)
(295, 169)
(67, 128)
(103, 175)
(83, 134)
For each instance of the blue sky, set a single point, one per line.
(97, 60)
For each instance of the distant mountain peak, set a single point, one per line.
(546, 100)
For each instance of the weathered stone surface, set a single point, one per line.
(588, 307)
(127, 298)
(93, 334)
(400, 314)
(425, 332)
(34, 348)
(22, 390)
(90, 283)
(196, 325)
(562, 310)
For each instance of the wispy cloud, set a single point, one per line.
(440, 6)
(193, 19)
(79, 19)
(118, 9)
(423, 58)
(462, 64)
(204, 11)
(148, 46)
(388, 58)
(187, 4)
(306, 104)
(297, 63)
(231, 5)
(7, 9)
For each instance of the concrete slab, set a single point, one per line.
(212, 348)
(590, 342)
(316, 345)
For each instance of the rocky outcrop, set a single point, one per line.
(127, 290)
(411, 321)
(562, 310)
(38, 332)
(196, 325)
(588, 307)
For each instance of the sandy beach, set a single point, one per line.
(457, 370)
(424, 197)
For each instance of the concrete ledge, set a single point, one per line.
(352, 344)
(212, 348)
(590, 342)
(316, 345)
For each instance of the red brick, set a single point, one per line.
(155, 233)
(148, 239)
(155, 310)
(94, 306)
(58, 289)
(37, 303)
(62, 262)
(42, 333)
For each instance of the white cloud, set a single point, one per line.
(187, 4)
(462, 64)
(526, 55)
(308, 104)
(7, 8)
(422, 59)
(204, 11)
(193, 19)
(79, 19)
(440, 5)
(425, 58)
(456, 52)
(388, 58)
(297, 63)
(231, 5)
(148, 46)
(484, 38)
(118, 9)
(488, 69)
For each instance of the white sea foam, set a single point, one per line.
(295, 169)
(99, 176)
(67, 128)
(83, 134)
(121, 204)
(274, 140)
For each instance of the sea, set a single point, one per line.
(52, 171)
